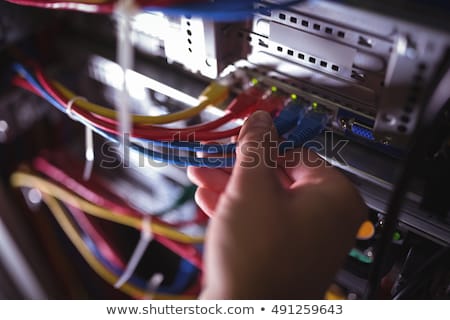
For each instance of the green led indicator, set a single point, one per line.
(397, 236)
(293, 96)
(315, 105)
(274, 89)
(255, 81)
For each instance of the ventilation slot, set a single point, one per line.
(358, 75)
(189, 33)
(262, 44)
(365, 42)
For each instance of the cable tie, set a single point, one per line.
(69, 110)
(88, 139)
(144, 241)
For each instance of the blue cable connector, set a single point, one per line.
(292, 114)
(308, 128)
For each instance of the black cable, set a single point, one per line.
(391, 217)
(438, 101)
(421, 273)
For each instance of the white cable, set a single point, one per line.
(144, 241)
(88, 153)
(125, 57)
(154, 283)
(88, 139)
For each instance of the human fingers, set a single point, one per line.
(211, 178)
(253, 168)
(207, 200)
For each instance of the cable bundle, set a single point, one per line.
(76, 206)
(144, 134)
(182, 146)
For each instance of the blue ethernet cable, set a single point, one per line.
(193, 146)
(20, 69)
(289, 116)
(220, 10)
(307, 129)
(213, 162)
(180, 283)
(210, 162)
(183, 278)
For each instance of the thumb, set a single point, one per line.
(255, 155)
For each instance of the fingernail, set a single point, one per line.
(259, 119)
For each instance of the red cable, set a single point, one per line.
(61, 178)
(24, 84)
(237, 109)
(147, 132)
(104, 8)
(166, 3)
(96, 191)
(244, 104)
(186, 251)
(97, 237)
(241, 105)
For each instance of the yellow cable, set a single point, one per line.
(91, 260)
(21, 179)
(215, 93)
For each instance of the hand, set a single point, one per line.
(276, 232)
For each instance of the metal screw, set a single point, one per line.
(386, 141)
(344, 124)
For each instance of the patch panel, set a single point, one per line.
(382, 62)
(291, 87)
(344, 120)
(303, 89)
